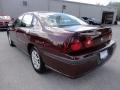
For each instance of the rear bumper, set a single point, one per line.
(85, 63)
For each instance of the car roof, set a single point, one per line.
(43, 13)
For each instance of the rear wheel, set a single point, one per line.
(36, 60)
(10, 41)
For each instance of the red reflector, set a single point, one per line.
(76, 45)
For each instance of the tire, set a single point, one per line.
(37, 61)
(11, 43)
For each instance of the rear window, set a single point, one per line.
(58, 20)
(5, 18)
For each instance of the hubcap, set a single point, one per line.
(35, 59)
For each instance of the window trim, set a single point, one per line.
(34, 16)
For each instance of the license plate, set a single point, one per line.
(103, 54)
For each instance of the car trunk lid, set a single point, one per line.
(90, 39)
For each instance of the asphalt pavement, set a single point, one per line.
(17, 73)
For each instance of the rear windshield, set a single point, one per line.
(57, 20)
(5, 18)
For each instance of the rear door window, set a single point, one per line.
(27, 20)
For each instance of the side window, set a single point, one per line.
(27, 20)
(36, 23)
(18, 21)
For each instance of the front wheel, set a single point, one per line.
(36, 60)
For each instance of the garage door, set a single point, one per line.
(107, 17)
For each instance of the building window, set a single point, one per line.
(25, 3)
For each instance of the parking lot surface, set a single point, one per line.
(16, 72)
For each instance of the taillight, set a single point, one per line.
(75, 45)
(88, 42)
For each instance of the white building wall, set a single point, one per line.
(0, 7)
(91, 11)
(71, 8)
(55, 6)
(38, 5)
(81, 10)
(15, 7)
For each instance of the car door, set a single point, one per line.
(37, 33)
(41, 34)
(15, 26)
(23, 31)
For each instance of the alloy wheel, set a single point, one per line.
(35, 59)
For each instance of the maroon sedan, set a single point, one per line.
(61, 42)
(4, 20)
